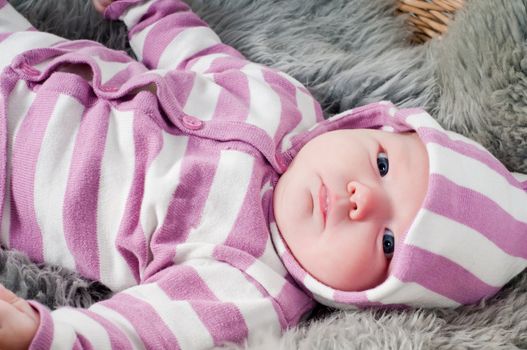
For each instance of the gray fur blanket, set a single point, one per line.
(349, 53)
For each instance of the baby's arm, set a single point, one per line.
(199, 304)
(165, 34)
(18, 321)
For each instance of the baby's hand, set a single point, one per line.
(18, 321)
(101, 5)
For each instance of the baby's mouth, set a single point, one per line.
(323, 201)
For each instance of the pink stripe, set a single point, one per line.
(233, 102)
(440, 275)
(148, 325)
(43, 338)
(80, 199)
(182, 282)
(164, 33)
(159, 11)
(25, 231)
(232, 63)
(234, 256)
(116, 8)
(118, 339)
(82, 343)
(4, 36)
(218, 48)
(251, 218)
(3, 3)
(477, 211)
(197, 172)
(431, 135)
(8, 81)
(174, 96)
(223, 320)
(148, 141)
(290, 116)
(293, 305)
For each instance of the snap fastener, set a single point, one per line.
(192, 123)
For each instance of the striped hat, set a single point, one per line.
(468, 239)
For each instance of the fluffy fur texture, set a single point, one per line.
(349, 53)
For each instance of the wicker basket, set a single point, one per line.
(429, 18)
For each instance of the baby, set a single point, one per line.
(210, 194)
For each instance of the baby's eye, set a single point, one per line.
(382, 163)
(388, 243)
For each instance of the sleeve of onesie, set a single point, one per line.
(17, 35)
(167, 37)
(186, 306)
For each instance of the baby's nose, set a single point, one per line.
(361, 200)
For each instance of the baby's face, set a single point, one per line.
(346, 199)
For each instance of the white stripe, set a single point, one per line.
(394, 291)
(477, 176)
(268, 277)
(491, 264)
(68, 318)
(320, 289)
(51, 178)
(137, 41)
(277, 239)
(271, 259)
(117, 172)
(457, 137)
(179, 317)
(18, 104)
(120, 322)
(64, 336)
(109, 69)
(265, 106)
(188, 251)
(203, 97)
(133, 14)
(23, 41)
(202, 64)
(230, 285)
(186, 44)
(269, 256)
(161, 180)
(423, 120)
(231, 181)
(306, 106)
(12, 21)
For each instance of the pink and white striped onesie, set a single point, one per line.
(156, 177)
